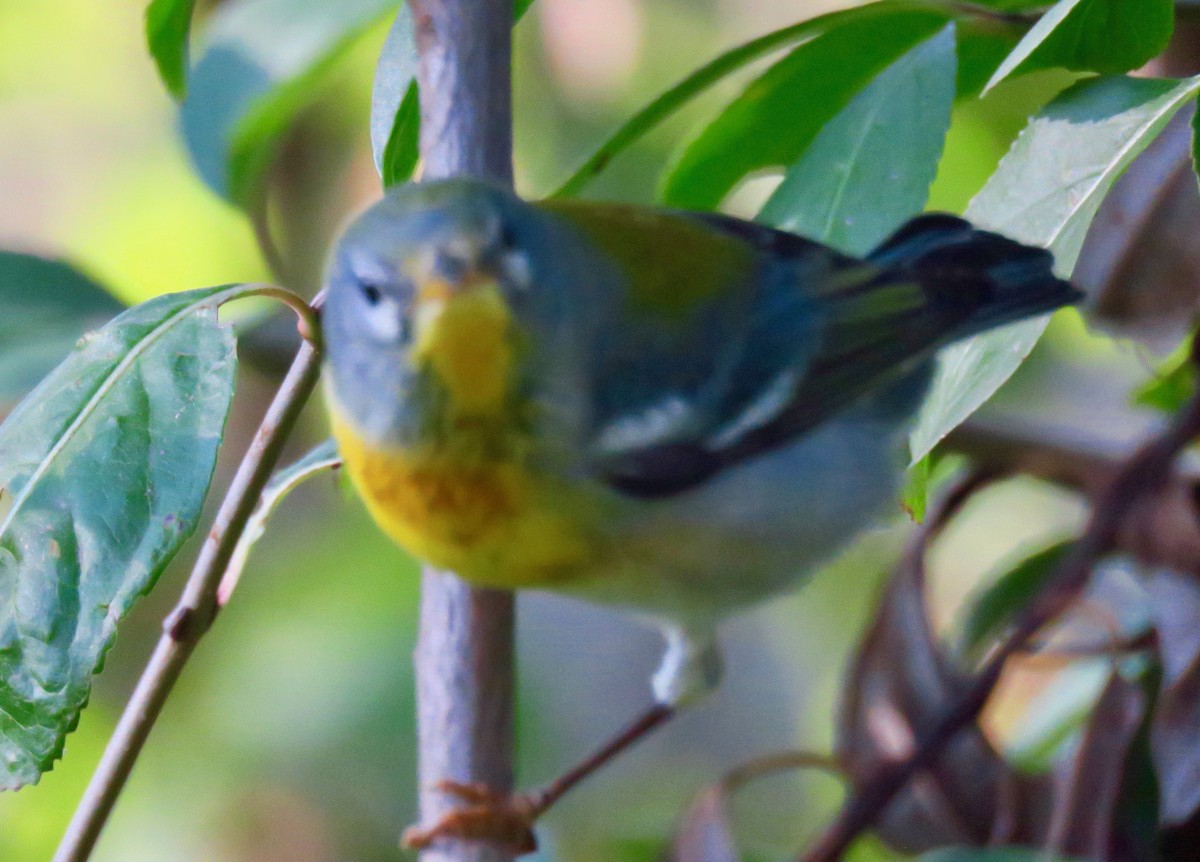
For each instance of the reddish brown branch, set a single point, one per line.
(1162, 530)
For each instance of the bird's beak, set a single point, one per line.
(473, 296)
(462, 332)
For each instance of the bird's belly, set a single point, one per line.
(492, 523)
(754, 531)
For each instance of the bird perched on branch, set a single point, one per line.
(679, 413)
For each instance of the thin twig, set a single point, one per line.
(1164, 532)
(1072, 652)
(192, 617)
(781, 761)
(1142, 475)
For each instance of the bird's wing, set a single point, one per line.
(721, 339)
(697, 331)
(819, 332)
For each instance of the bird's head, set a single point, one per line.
(422, 292)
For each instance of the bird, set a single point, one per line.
(677, 413)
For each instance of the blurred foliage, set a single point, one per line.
(41, 326)
(289, 739)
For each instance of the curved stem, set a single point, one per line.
(196, 610)
(309, 324)
(780, 761)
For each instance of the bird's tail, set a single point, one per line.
(988, 279)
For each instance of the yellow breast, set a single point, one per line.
(490, 522)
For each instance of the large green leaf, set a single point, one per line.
(261, 63)
(982, 47)
(776, 118)
(45, 305)
(698, 82)
(1093, 36)
(1046, 192)
(871, 166)
(168, 26)
(104, 468)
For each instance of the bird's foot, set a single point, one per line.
(485, 815)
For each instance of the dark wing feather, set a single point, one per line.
(937, 280)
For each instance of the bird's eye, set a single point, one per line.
(384, 309)
(507, 238)
(371, 293)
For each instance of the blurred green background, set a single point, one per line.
(291, 734)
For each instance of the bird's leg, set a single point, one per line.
(508, 819)
(690, 668)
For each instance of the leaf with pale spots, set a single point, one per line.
(105, 466)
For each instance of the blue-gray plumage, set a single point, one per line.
(677, 412)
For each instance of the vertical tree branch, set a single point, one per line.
(464, 655)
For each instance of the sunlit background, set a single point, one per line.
(290, 736)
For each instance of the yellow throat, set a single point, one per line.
(467, 341)
(465, 501)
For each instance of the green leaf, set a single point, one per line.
(46, 306)
(698, 82)
(1046, 192)
(982, 47)
(776, 118)
(915, 496)
(260, 67)
(322, 458)
(991, 611)
(104, 466)
(396, 101)
(1196, 141)
(1104, 36)
(403, 148)
(168, 26)
(870, 167)
(1173, 383)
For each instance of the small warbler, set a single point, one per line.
(680, 413)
